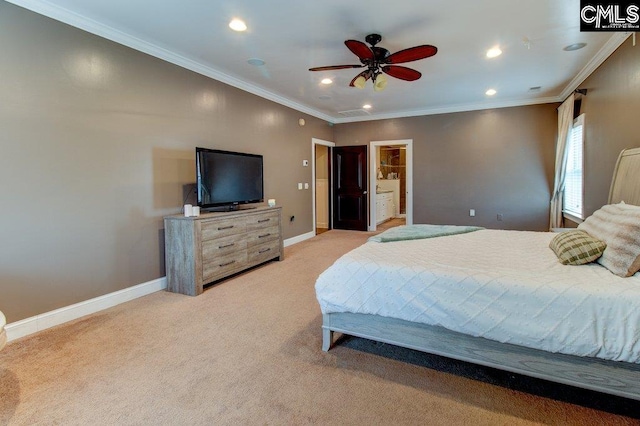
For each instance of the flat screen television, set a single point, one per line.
(226, 179)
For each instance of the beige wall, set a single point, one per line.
(96, 143)
(493, 161)
(612, 111)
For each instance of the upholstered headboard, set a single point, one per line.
(625, 185)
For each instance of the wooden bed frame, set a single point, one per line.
(612, 377)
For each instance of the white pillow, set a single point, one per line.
(618, 225)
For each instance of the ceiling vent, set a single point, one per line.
(361, 112)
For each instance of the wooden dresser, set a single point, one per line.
(212, 246)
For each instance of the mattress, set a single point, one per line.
(506, 286)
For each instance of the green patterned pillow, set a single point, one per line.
(576, 247)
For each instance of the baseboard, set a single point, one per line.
(50, 319)
(298, 239)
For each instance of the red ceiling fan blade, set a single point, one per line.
(411, 54)
(360, 49)
(366, 74)
(335, 67)
(403, 73)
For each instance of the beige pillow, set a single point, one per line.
(618, 225)
(576, 247)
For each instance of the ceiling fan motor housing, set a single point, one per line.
(373, 39)
(379, 53)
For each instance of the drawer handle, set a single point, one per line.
(225, 227)
(264, 220)
(227, 264)
(263, 236)
(264, 250)
(228, 245)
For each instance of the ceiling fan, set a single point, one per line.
(378, 60)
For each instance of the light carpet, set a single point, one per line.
(247, 351)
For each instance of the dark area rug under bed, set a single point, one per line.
(570, 394)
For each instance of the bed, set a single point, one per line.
(499, 299)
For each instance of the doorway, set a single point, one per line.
(321, 187)
(391, 175)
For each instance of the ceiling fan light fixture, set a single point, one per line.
(380, 83)
(360, 82)
(326, 81)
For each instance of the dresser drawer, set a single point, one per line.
(223, 266)
(211, 229)
(223, 246)
(208, 248)
(260, 236)
(264, 220)
(263, 252)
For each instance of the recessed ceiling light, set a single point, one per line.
(326, 81)
(574, 46)
(490, 92)
(237, 25)
(366, 106)
(494, 52)
(256, 62)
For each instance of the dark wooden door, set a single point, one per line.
(350, 187)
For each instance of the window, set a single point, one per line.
(573, 181)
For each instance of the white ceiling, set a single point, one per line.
(292, 36)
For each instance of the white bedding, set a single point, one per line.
(501, 285)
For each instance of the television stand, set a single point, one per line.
(207, 248)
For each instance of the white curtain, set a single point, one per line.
(565, 122)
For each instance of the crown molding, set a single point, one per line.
(66, 16)
(607, 50)
(452, 109)
(82, 22)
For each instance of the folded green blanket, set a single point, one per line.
(416, 232)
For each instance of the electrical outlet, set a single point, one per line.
(299, 185)
(292, 218)
(499, 217)
(472, 212)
